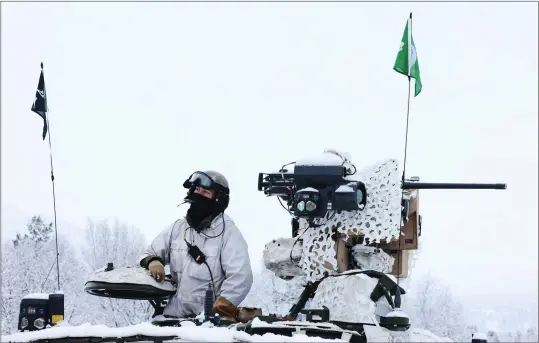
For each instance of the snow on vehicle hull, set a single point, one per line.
(258, 331)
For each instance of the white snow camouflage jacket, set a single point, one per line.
(227, 255)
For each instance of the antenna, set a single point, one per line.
(53, 193)
(40, 106)
(409, 46)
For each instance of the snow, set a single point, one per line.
(42, 296)
(419, 335)
(372, 258)
(379, 334)
(397, 313)
(344, 189)
(347, 297)
(479, 335)
(309, 189)
(276, 257)
(376, 334)
(325, 159)
(301, 325)
(187, 332)
(133, 275)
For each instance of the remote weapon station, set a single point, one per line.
(349, 228)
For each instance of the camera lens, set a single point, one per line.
(359, 196)
(39, 323)
(311, 206)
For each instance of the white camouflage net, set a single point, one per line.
(347, 297)
(276, 257)
(378, 221)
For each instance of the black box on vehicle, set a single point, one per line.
(56, 308)
(39, 310)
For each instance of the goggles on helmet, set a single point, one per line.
(199, 179)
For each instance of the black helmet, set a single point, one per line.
(217, 177)
(211, 180)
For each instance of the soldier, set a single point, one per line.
(203, 248)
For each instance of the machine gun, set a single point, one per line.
(315, 187)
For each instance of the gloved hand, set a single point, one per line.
(157, 270)
(225, 309)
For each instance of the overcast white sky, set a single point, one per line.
(141, 95)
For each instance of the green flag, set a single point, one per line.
(406, 62)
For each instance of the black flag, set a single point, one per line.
(40, 102)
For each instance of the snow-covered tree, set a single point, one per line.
(112, 242)
(122, 245)
(29, 266)
(38, 231)
(531, 335)
(435, 309)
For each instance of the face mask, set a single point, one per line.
(201, 208)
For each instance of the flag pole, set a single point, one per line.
(53, 191)
(409, 52)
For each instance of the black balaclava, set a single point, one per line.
(201, 208)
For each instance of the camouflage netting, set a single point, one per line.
(378, 221)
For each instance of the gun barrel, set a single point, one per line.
(444, 185)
